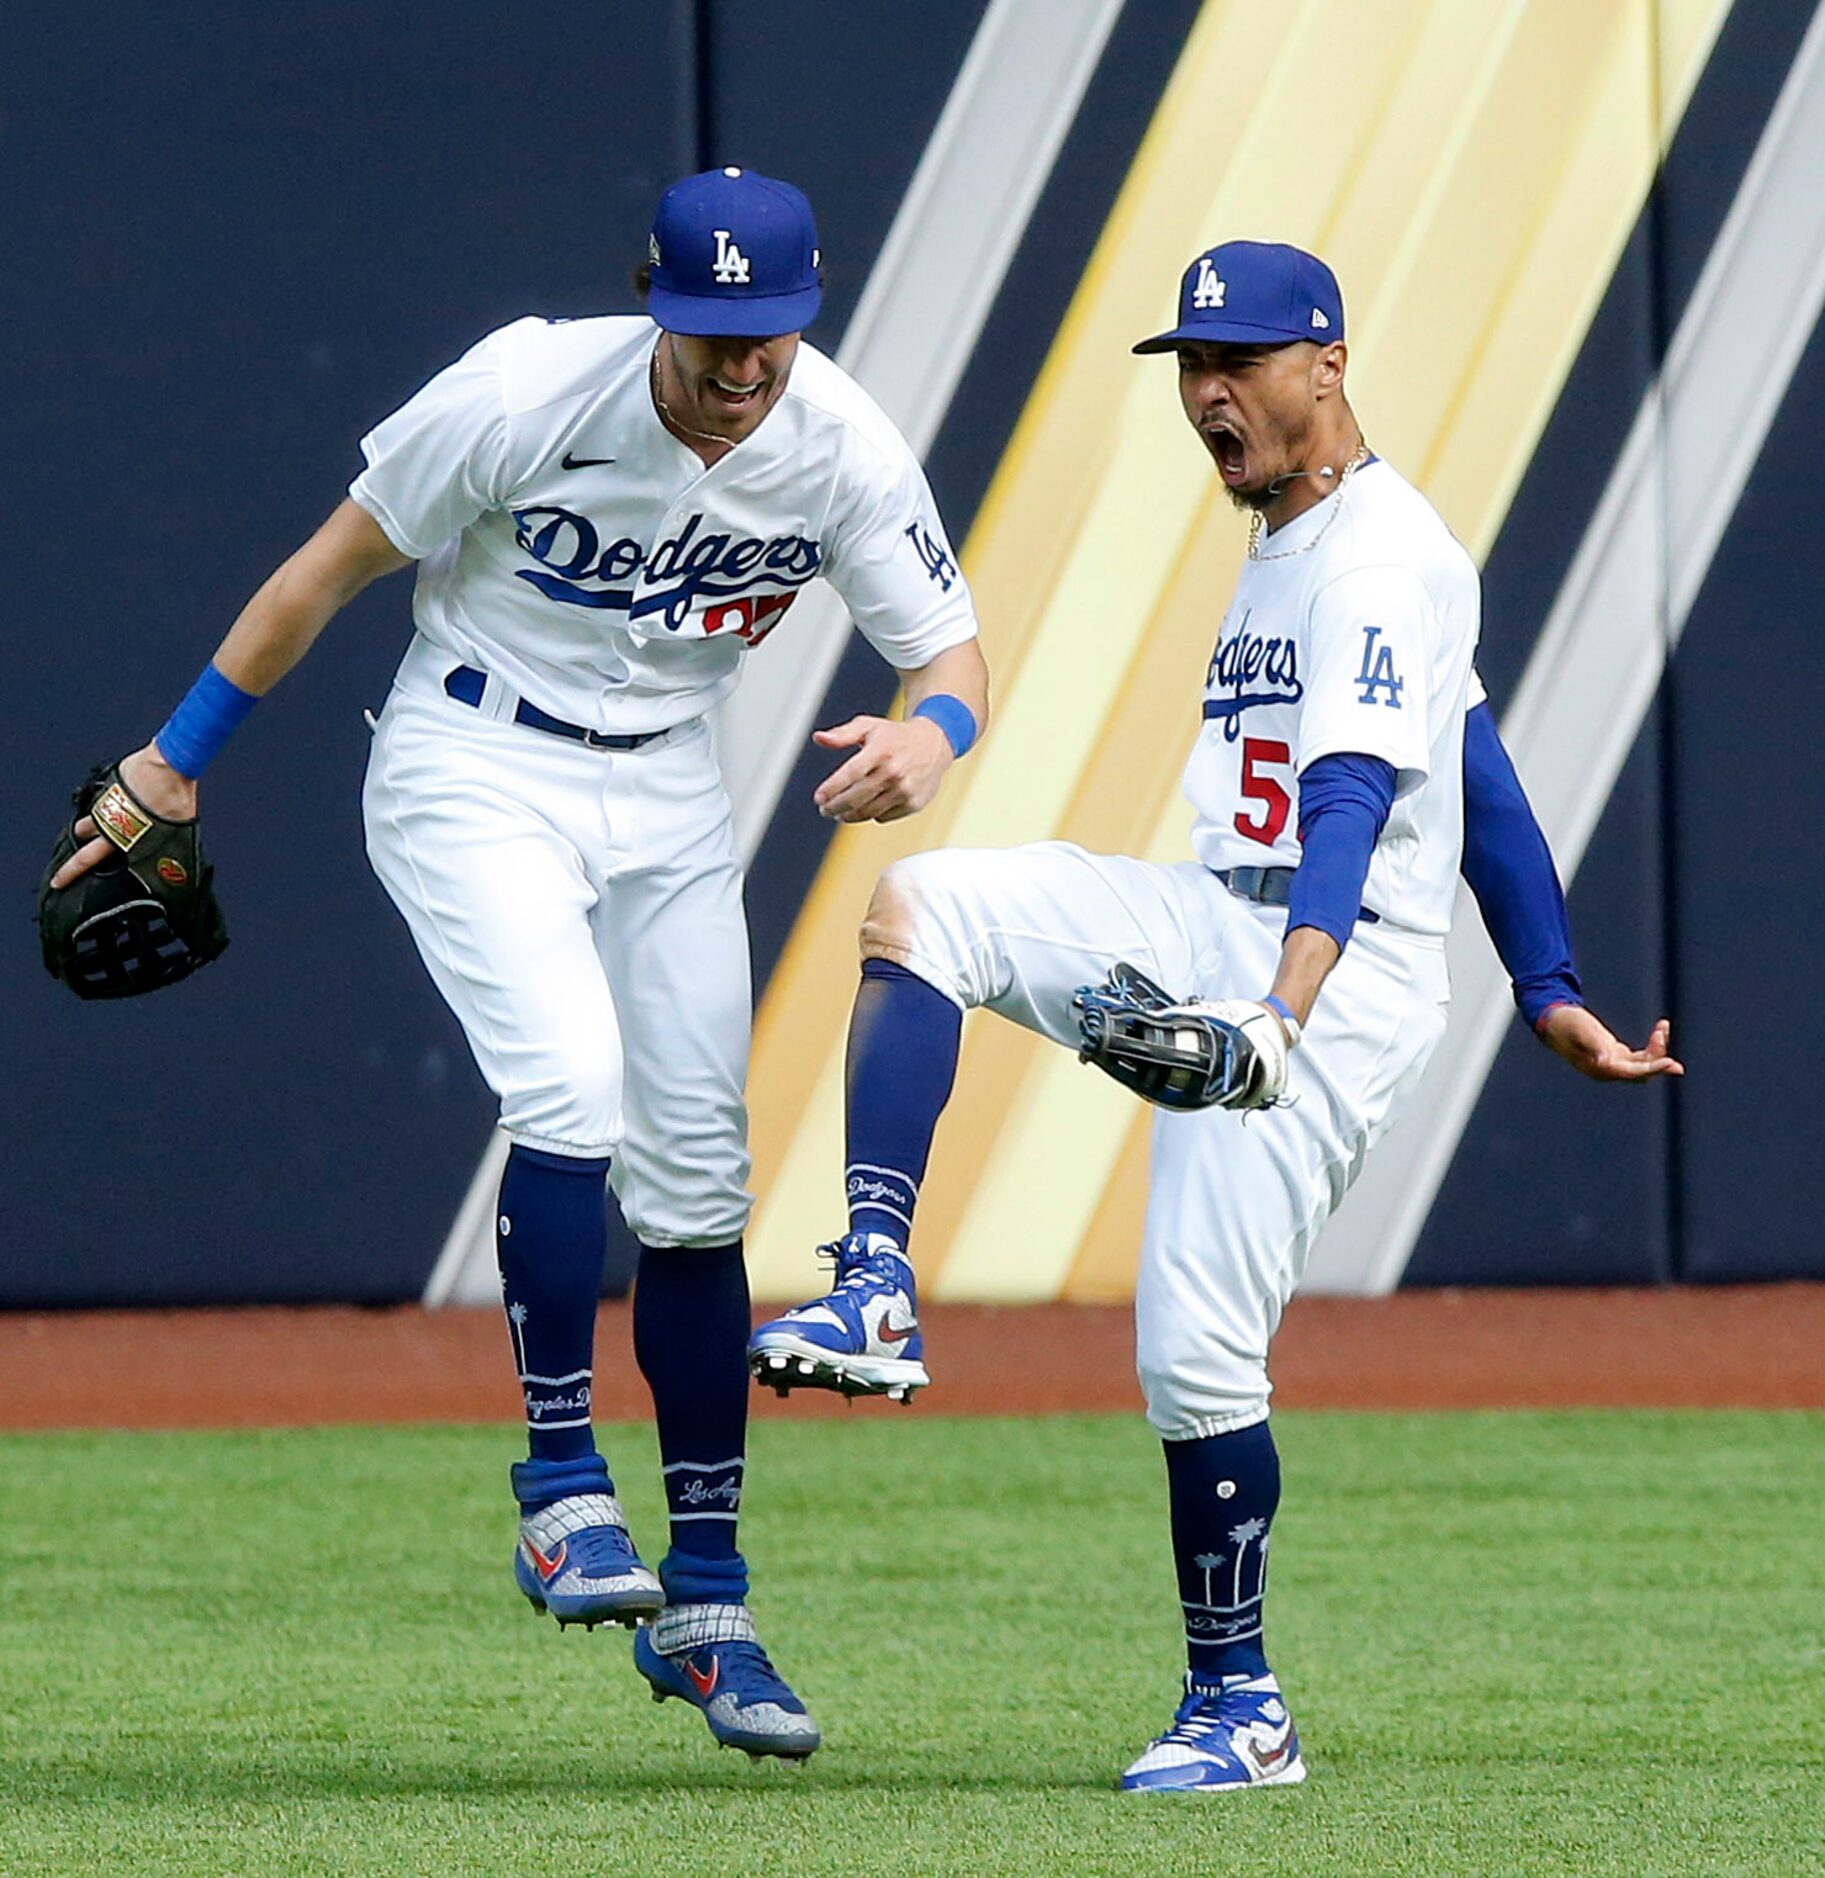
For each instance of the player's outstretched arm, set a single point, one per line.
(274, 631)
(897, 765)
(1510, 870)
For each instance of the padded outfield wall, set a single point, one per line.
(1561, 226)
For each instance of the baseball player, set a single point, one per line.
(607, 515)
(1295, 970)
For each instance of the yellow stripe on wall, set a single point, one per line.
(1471, 171)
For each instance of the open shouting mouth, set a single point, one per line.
(728, 397)
(1225, 444)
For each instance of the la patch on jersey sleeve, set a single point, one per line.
(1370, 678)
(896, 570)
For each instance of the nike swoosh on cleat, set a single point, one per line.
(1264, 1759)
(548, 1568)
(895, 1333)
(699, 1681)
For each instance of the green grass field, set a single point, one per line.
(1514, 1644)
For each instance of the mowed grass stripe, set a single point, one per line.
(1514, 1643)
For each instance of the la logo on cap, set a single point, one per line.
(731, 265)
(1210, 289)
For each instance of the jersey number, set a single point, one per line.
(1276, 804)
(751, 617)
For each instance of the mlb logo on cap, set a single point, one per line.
(1260, 293)
(733, 254)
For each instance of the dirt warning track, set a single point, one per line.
(1747, 1346)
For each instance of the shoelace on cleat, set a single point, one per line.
(601, 1552)
(758, 1681)
(1193, 1723)
(855, 1271)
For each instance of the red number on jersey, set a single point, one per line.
(1277, 805)
(752, 617)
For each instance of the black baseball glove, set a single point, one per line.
(139, 920)
(1231, 1054)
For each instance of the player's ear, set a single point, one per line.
(1327, 369)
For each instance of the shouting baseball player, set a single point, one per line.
(1328, 781)
(607, 515)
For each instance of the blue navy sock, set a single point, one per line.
(691, 1325)
(1224, 1492)
(551, 1237)
(903, 1040)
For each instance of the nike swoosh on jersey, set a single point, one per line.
(583, 462)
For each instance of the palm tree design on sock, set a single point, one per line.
(1240, 1536)
(516, 1318)
(1207, 1562)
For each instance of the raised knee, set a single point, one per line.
(888, 925)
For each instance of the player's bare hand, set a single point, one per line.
(895, 771)
(157, 785)
(1588, 1045)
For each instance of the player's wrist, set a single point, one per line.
(211, 712)
(1289, 1022)
(954, 719)
(931, 735)
(160, 787)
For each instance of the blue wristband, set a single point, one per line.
(954, 718)
(1280, 1008)
(207, 718)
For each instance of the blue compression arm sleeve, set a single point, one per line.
(1510, 870)
(1343, 806)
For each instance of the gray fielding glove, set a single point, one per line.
(1228, 1054)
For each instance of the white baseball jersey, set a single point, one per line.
(1354, 631)
(570, 545)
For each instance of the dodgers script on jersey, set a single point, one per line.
(1354, 631)
(569, 544)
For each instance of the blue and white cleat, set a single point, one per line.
(1236, 1735)
(575, 1558)
(709, 1656)
(862, 1339)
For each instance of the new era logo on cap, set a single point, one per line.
(733, 253)
(1254, 293)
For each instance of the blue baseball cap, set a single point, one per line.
(733, 254)
(1254, 293)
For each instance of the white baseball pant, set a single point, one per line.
(1234, 1201)
(580, 911)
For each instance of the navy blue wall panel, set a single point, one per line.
(1749, 698)
(235, 238)
(1559, 1180)
(843, 102)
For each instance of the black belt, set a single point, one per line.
(1271, 886)
(466, 685)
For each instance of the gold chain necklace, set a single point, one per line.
(665, 411)
(1257, 521)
